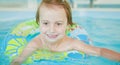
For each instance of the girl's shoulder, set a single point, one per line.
(69, 41)
(36, 42)
(72, 41)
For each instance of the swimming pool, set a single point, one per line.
(103, 28)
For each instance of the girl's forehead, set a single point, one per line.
(51, 8)
(52, 12)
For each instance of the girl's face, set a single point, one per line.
(53, 23)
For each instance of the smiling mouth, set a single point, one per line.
(52, 36)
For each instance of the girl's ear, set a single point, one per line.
(68, 27)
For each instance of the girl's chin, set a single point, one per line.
(53, 39)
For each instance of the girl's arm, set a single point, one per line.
(29, 49)
(110, 54)
(80, 46)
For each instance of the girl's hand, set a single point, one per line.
(15, 63)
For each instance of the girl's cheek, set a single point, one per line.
(63, 29)
(43, 29)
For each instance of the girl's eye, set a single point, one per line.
(59, 24)
(45, 23)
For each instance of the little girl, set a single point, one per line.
(53, 17)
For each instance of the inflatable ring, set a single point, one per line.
(19, 37)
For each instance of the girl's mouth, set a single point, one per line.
(52, 36)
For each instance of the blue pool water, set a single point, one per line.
(102, 27)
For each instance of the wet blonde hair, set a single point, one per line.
(63, 3)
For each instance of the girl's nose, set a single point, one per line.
(52, 29)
